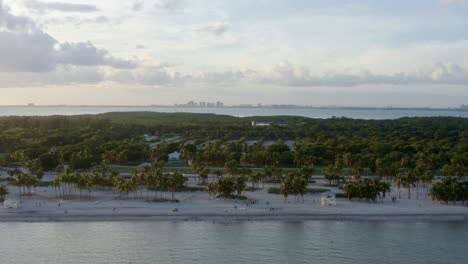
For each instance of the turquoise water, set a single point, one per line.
(243, 242)
(241, 112)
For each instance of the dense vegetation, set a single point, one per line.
(409, 152)
(380, 147)
(450, 190)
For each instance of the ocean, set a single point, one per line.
(333, 242)
(239, 112)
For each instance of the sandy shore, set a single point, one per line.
(43, 206)
(38, 217)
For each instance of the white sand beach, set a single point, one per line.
(106, 206)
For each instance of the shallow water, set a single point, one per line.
(239, 242)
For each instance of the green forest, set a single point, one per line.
(337, 145)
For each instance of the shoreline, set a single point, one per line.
(41, 218)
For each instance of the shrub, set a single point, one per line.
(164, 200)
(273, 190)
(251, 189)
(316, 190)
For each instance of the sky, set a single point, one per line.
(306, 52)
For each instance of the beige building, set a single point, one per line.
(328, 199)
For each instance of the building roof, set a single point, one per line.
(328, 193)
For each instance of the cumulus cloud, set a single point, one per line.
(12, 22)
(157, 75)
(61, 75)
(60, 6)
(287, 74)
(33, 52)
(162, 74)
(26, 48)
(85, 53)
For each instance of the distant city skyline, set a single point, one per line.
(219, 104)
(306, 52)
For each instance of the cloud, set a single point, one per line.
(39, 52)
(26, 48)
(60, 6)
(85, 53)
(12, 22)
(460, 2)
(287, 74)
(139, 46)
(154, 75)
(61, 75)
(226, 77)
(23, 47)
(102, 20)
(137, 5)
(32, 52)
(169, 4)
(217, 28)
(151, 76)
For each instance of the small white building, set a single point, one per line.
(12, 202)
(174, 157)
(260, 124)
(149, 138)
(328, 199)
(144, 164)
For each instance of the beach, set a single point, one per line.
(100, 205)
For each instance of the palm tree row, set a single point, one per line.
(68, 182)
(227, 186)
(295, 184)
(368, 189)
(450, 190)
(25, 182)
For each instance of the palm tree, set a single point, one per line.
(399, 181)
(175, 182)
(3, 192)
(307, 172)
(231, 167)
(212, 188)
(121, 186)
(203, 172)
(332, 174)
(299, 186)
(285, 188)
(383, 187)
(57, 183)
(255, 179)
(408, 180)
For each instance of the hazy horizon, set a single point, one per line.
(256, 105)
(322, 53)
